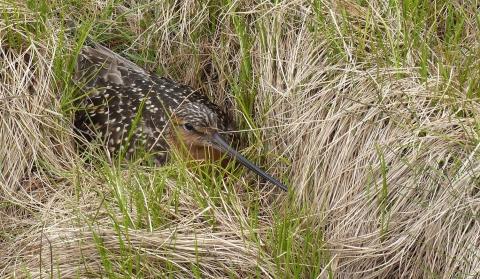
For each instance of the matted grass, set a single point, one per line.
(366, 110)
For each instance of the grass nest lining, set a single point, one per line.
(369, 115)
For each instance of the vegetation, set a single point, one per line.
(367, 110)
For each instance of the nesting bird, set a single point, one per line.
(126, 107)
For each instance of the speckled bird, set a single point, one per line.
(126, 106)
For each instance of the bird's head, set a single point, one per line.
(206, 132)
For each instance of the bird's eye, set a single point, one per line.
(188, 127)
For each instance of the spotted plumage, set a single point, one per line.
(117, 90)
(125, 106)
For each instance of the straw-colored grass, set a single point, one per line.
(367, 110)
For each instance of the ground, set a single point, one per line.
(366, 110)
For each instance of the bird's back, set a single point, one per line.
(115, 91)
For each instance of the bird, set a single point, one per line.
(126, 107)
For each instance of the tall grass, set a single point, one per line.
(367, 110)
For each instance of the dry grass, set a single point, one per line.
(369, 116)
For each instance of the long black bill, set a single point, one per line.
(225, 147)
